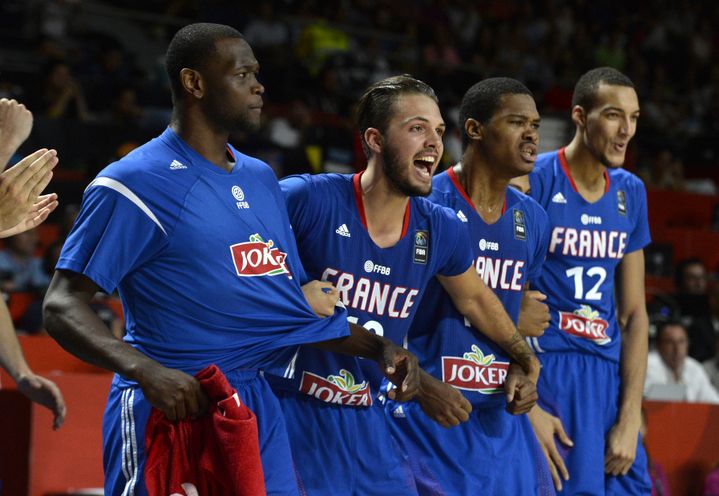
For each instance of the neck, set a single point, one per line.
(202, 136)
(384, 206)
(586, 169)
(485, 187)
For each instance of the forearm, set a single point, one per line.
(360, 342)
(633, 367)
(11, 357)
(490, 318)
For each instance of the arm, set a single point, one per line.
(36, 388)
(15, 127)
(397, 364)
(634, 325)
(72, 323)
(484, 311)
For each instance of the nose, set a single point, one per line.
(625, 129)
(434, 140)
(258, 89)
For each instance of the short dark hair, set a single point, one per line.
(481, 101)
(191, 47)
(662, 326)
(375, 105)
(681, 266)
(585, 91)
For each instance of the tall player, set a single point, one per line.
(594, 353)
(494, 452)
(195, 236)
(374, 237)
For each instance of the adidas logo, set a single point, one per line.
(177, 165)
(559, 198)
(399, 412)
(343, 231)
(461, 216)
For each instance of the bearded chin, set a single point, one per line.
(393, 171)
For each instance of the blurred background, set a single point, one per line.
(92, 73)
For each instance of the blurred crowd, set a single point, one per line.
(101, 67)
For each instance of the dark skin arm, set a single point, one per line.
(72, 323)
(397, 364)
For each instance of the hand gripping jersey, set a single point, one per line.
(587, 242)
(204, 260)
(507, 254)
(380, 287)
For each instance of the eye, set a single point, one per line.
(440, 131)
(417, 128)
(535, 126)
(612, 115)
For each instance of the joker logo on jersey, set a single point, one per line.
(258, 258)
(585, 323)
(338, 389)
(475, 371)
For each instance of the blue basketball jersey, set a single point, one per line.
(587, 242)
(204, 259)
(507, 254)
(380, 287)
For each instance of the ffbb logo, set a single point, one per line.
(585, 323)
(338, 389)
(258, 258)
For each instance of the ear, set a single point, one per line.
(192, 82)
(473, 129)
(373, 138)
(579, 116)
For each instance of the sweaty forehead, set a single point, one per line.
(517, 104)
(234, 52)
(622, 97)
(415, 105)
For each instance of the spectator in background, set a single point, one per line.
(691, 282)
(62, 95)
(20, 269)
(669, 364)
(711, 366)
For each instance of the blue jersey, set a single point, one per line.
(204, 259)
(507, 254)
(587, 242)
(380, 287)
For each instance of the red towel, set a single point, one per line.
(216, 454)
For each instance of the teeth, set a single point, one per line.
(429, 160)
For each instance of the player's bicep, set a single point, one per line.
(466, 289)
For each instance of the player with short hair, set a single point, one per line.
(380, 243)
(594, 353)
(195, 236)
(494, 452)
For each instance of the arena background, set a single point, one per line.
(92, 73)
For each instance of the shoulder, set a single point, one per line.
(526, 203)
(626, 180)
(546, 164)
(325, 183)
(437, 214)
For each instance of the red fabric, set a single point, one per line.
(216, 454)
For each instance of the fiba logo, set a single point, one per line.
(240, 197)
(238, 193)
(370, 267)
(420, 238)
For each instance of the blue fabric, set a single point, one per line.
(344, 451)
(583, 391)
(126, 417)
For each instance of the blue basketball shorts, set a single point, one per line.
(127, 413)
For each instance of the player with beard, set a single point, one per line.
(594, 353)
(374, 237)
(508, 235)
(195, 237)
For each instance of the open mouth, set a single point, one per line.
(528, 151)
(424, 165)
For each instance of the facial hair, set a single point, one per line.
(393, 168)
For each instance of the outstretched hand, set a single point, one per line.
(401, 368)
(441, 402)
(546, 426)
(173, 392)
(20, 188)
(46, 393)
